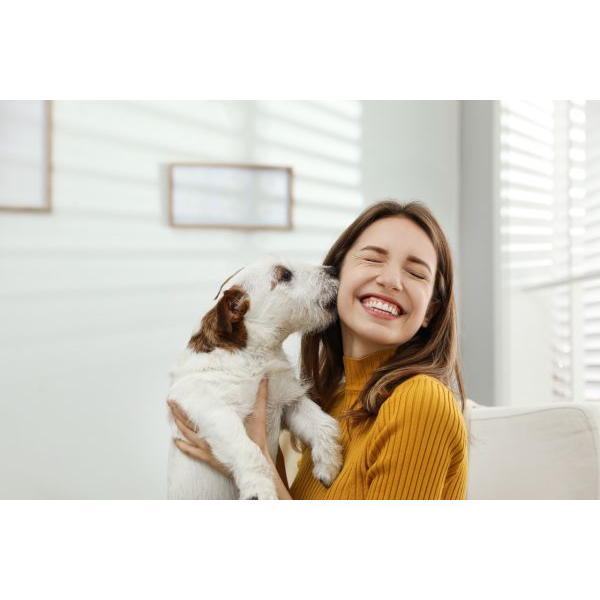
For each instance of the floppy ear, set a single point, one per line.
(231, 309)
(223, 325)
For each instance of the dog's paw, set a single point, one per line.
(327, 452)
(326, 474)
(256, 492)
(260, 497)
(326, 470)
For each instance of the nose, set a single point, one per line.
(330, 270)
(389, 276)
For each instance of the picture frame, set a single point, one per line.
(230, 195)
(26, 155)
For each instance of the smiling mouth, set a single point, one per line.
(377, 306)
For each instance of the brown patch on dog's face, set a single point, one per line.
(281, 274)
(223, 325)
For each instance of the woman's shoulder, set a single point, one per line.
(427, 384)
(421, 393)
(420, 408)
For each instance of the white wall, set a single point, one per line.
(529, 352)
(411, 151)
(99, 296)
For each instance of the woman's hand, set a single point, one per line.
(196, 447)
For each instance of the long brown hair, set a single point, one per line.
(431, 351)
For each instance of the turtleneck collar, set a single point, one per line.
(359, 370)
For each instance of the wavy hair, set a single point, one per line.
(431, 351)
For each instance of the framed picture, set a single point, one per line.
(232, 196)
(25, 161)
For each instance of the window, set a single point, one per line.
(550, 248)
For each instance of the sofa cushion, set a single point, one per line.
(536, 452)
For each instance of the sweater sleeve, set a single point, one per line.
(417, 449)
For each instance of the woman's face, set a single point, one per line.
(392, 262)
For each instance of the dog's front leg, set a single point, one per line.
(224, 430)
(321, 432)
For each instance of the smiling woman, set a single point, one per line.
(385, 368)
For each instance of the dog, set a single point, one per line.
(216, 379)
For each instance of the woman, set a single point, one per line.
(383, 369)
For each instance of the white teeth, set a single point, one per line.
(384, 306)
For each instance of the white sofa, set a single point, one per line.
(549, 451)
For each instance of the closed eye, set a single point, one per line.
(417, 275)
(411, 272)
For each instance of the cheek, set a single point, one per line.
(420, 297)
(343, 296)
(424, 298)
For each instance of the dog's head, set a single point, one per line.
(267, 301)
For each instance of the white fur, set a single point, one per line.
(218, 390)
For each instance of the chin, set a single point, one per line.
(382, 341)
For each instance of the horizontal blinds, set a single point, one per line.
(527, 191)
(545, 227)
(590, 254)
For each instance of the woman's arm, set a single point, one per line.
(256, 426)
(418, 439)
(283, 493)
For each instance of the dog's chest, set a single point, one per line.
(234, 379)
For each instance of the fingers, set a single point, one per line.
(186, 427)
(193, 445)
(193, 451)
(189, 434)
(178, 413)
(202, 453)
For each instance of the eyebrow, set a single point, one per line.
(410, 257)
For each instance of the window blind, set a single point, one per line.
(550, 230)
(590, 255)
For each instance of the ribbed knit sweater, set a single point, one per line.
(415, 448)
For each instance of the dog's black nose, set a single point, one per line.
(330, 270)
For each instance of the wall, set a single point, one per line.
(482, 332)
(99, 296)
(411, 150)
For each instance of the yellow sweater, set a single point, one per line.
(416, 447)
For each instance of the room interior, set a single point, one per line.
(103, 280)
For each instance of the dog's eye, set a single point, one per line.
(283, 274)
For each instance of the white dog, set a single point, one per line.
(216, 380)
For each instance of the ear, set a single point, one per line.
(231, 309)
(431, 311)
(223, 325)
